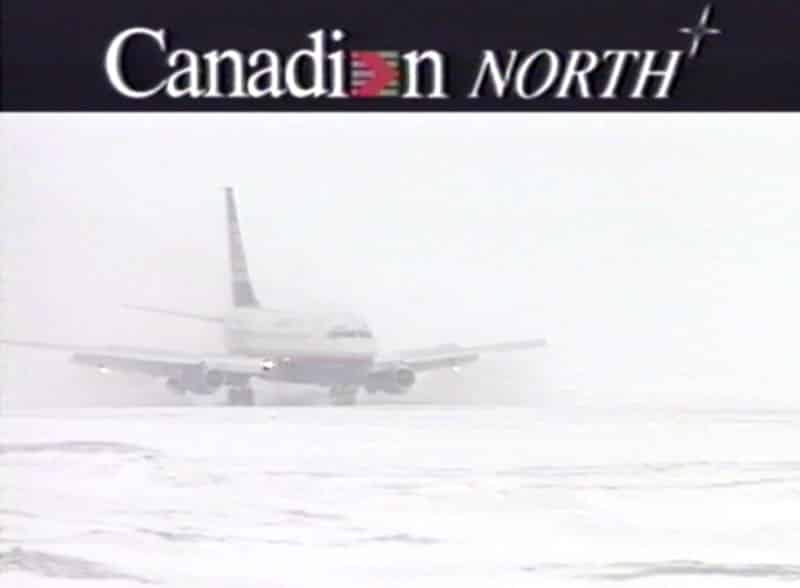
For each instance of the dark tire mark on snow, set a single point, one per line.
(304, 514)
(624, 571)
(75, 447)
(402, 538)
(60, 566)
(634, 571)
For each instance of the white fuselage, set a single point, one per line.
(327, 349)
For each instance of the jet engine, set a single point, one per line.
(202, 379)
(397, 380)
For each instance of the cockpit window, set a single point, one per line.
(347, 333)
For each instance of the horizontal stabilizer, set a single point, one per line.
(179, 313)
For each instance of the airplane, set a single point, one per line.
(336, 351)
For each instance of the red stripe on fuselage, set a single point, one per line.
(349, 359)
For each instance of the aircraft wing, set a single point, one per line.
(448, 356)
(153, 362)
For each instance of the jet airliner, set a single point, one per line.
(332, 350)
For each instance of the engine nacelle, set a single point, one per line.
(215, 378)
(203, 380)
(177, 385)
(396, 381)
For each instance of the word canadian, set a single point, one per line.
(322, 71)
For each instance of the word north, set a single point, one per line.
(312, 72)
(580, 73)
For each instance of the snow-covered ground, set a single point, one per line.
(398, 496)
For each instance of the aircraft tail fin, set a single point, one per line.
(241, 287)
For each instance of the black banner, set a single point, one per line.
(385, 56)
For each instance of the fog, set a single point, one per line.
(656, 253)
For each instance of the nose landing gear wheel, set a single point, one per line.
(240, 397)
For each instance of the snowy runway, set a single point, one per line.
(397, 496)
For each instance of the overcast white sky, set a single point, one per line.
(657, 253)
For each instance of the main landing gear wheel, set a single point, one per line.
(240, 397)
(343, 395)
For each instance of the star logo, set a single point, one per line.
(699, 31)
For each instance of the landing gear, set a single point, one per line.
(343, 395)
(240, 396)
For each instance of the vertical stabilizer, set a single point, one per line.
(242, 288)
